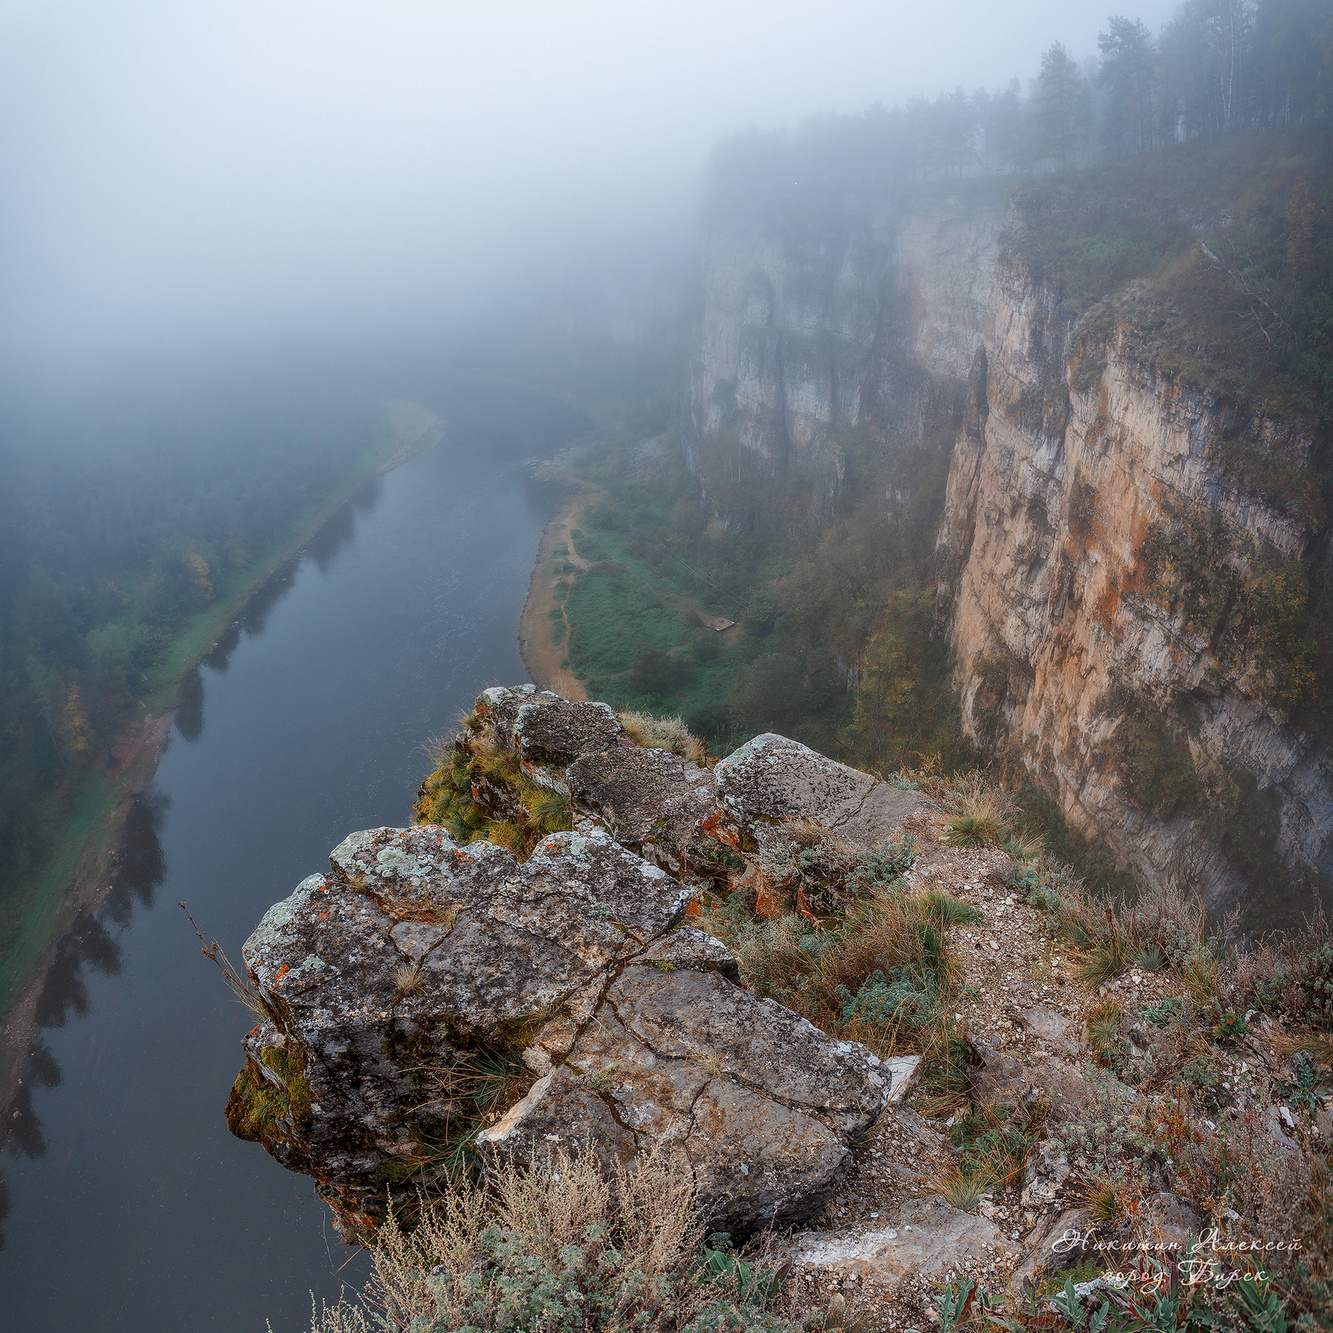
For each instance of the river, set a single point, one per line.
(126, 1202)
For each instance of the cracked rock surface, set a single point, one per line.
(387, 980)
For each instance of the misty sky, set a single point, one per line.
(179, 170)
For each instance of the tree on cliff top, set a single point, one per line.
(1129, 77)
(1064, 107)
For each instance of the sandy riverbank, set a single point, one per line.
(540, 655)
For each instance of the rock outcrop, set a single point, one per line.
(415, 990)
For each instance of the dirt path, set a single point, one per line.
(542, 657)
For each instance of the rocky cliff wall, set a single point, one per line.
(1108, 590)
(817, 335)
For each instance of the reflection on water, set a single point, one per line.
(190, 707)
(89, 948)
(304, 722)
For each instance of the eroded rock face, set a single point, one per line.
(419, 971)
(650, 800)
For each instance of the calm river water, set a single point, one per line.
(127, 1204)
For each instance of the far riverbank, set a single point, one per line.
(76, 876)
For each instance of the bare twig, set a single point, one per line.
(1253, 295)
(240, 984)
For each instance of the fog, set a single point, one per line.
(175, 173)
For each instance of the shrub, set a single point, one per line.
(557, 1249)
(1314, 980)
(883, 866)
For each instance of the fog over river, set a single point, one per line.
(129, 1205)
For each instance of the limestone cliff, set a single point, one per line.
(812, 329)
(1112, 592)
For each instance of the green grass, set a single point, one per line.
(862, 589)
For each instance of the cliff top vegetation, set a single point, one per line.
(1116, 1069)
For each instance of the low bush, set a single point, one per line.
(557, 1249)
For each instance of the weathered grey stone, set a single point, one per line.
(757, 1161)
(902, 1071)
(650, 800)
(561, 1111)
(422, 870)
(930, 1239)
(384, 977)
(773, 778)
(556, 731)
(415, 939)
(1043, 1179)
(1000, 1077)
(701, 1016)
(690, 949)
(1058, 1242)
(761, 1102)
(497, 708)
(1043, 1021)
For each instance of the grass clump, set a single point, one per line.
(455, 1103)
(991, 1145)
(559, 1248)
(664, 733)
(1109, 1049)
(1105, 961)
(976, 815)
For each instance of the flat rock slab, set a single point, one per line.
(758, 1101)
(772, 778)
(929, 1239)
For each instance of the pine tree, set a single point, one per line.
(1129, 76)
(1064, 107)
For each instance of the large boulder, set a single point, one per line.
(771, 779)
(402, 989)
(427, 1001)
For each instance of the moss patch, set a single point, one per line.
(262, 1111)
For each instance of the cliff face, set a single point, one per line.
(1108, 590)
(814, 329)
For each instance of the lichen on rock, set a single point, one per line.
(436, 1003)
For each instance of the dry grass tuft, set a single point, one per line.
(1105, 961)
(407, 978)
(664, 733)
(1104, 1199)
(962, 1188)
(977, 815)
(558, 1246)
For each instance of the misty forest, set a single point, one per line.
(727, 653)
